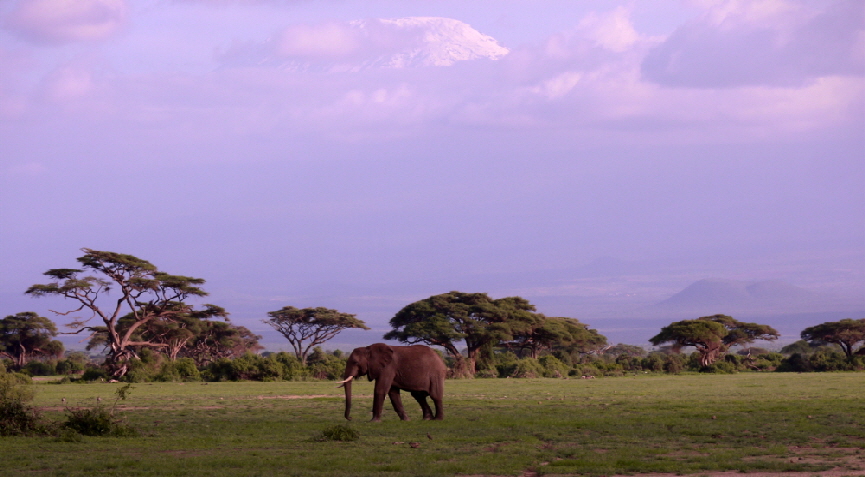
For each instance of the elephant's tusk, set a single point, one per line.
(346, 380)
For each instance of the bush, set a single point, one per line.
(325, 365)
(99, 420)
(720, 367)
(524, 368)
(17, 417)
(487, 373)
(41, 368)
(182, 369)
(339, 432)
(94, 373)
(292, 368)
(553, 367)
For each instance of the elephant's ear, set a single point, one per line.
(380, 358)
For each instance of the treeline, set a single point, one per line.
(147, 330)
(618, 360)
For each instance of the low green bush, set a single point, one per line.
(17, 416)
(339, 432)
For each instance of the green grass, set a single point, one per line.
(769, 422)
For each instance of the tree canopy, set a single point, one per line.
(475, 318)
(712, 335)
(555, 333)
(310, 327)
(846, 333)
(143, 294)
(27, 334)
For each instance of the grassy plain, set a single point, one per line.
(772, 422)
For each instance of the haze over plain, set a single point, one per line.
(594, 157)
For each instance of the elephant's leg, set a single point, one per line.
(440, 411)
(377, 405)
(420, 397)
(396, 400)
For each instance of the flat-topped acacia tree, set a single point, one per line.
(474, 318)
(310, 327)
(712, 335)
(123, 286)
(27, 334)
(846, 333)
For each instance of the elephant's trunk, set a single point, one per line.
(347, 385)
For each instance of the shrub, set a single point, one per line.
(100, 420)
(553, 367)
(324, 365)
(487, 373)
(17, 417)
(181, 369)
(93, 373)
(339, 432)
(654, 362)
(41, 368)
(526, 368)
(292, 368)
(720, 367)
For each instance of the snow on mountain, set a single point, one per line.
(364, 44)
(441, 42)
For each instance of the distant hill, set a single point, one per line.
(712, 296)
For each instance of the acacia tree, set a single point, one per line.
(475, 318)
(170, 336)
(846, 333)
(27, 334)
(712, 335)
(220, 339)
(555, 332)
(143, 291)
(310, 327)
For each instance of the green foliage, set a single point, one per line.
(17, 416)
(712, 335)
(97, 421)
(474, 318)
(720, 367)
(325, 365)
(310, 327)
(553, 367)
(339, 432)
(41, 368)
(94, 373)
(152, 298)
(73, 363)
(847, 333)
(275, 367)
(181, 369)
(100, 420)
(27, 334)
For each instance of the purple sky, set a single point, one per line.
(363, 155)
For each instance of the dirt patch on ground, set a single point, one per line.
(302, 396)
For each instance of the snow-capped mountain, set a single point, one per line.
(439, 42)
(364, 44)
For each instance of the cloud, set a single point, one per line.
(68, 82)
(611, 30)
(771, 43)
(63, 21)
(328, 40)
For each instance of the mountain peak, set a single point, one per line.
(366, 44)
(714, 295)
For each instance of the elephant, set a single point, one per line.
(417, 369)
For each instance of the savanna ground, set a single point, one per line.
(810, 424)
